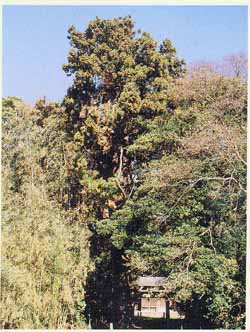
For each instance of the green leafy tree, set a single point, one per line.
(186, 219)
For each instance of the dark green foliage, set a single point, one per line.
(160, 161)
(186, 219)
(120, 83)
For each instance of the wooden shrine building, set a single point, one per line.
(153, 301)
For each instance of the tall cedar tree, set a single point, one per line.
(120, 84)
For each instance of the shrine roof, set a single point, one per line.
(151, 281)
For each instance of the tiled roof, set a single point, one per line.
(150, 281)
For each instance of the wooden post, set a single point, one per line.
(89, 325)
(167, 315)
(167, 310)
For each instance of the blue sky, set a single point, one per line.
(35, 43)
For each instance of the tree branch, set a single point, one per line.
(211, 240)
(190, 257)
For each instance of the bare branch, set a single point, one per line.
(120, 187)
(194, 182)
(211, 240)
(190, 257)
(119, 172)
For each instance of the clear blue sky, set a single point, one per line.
(35, 43)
